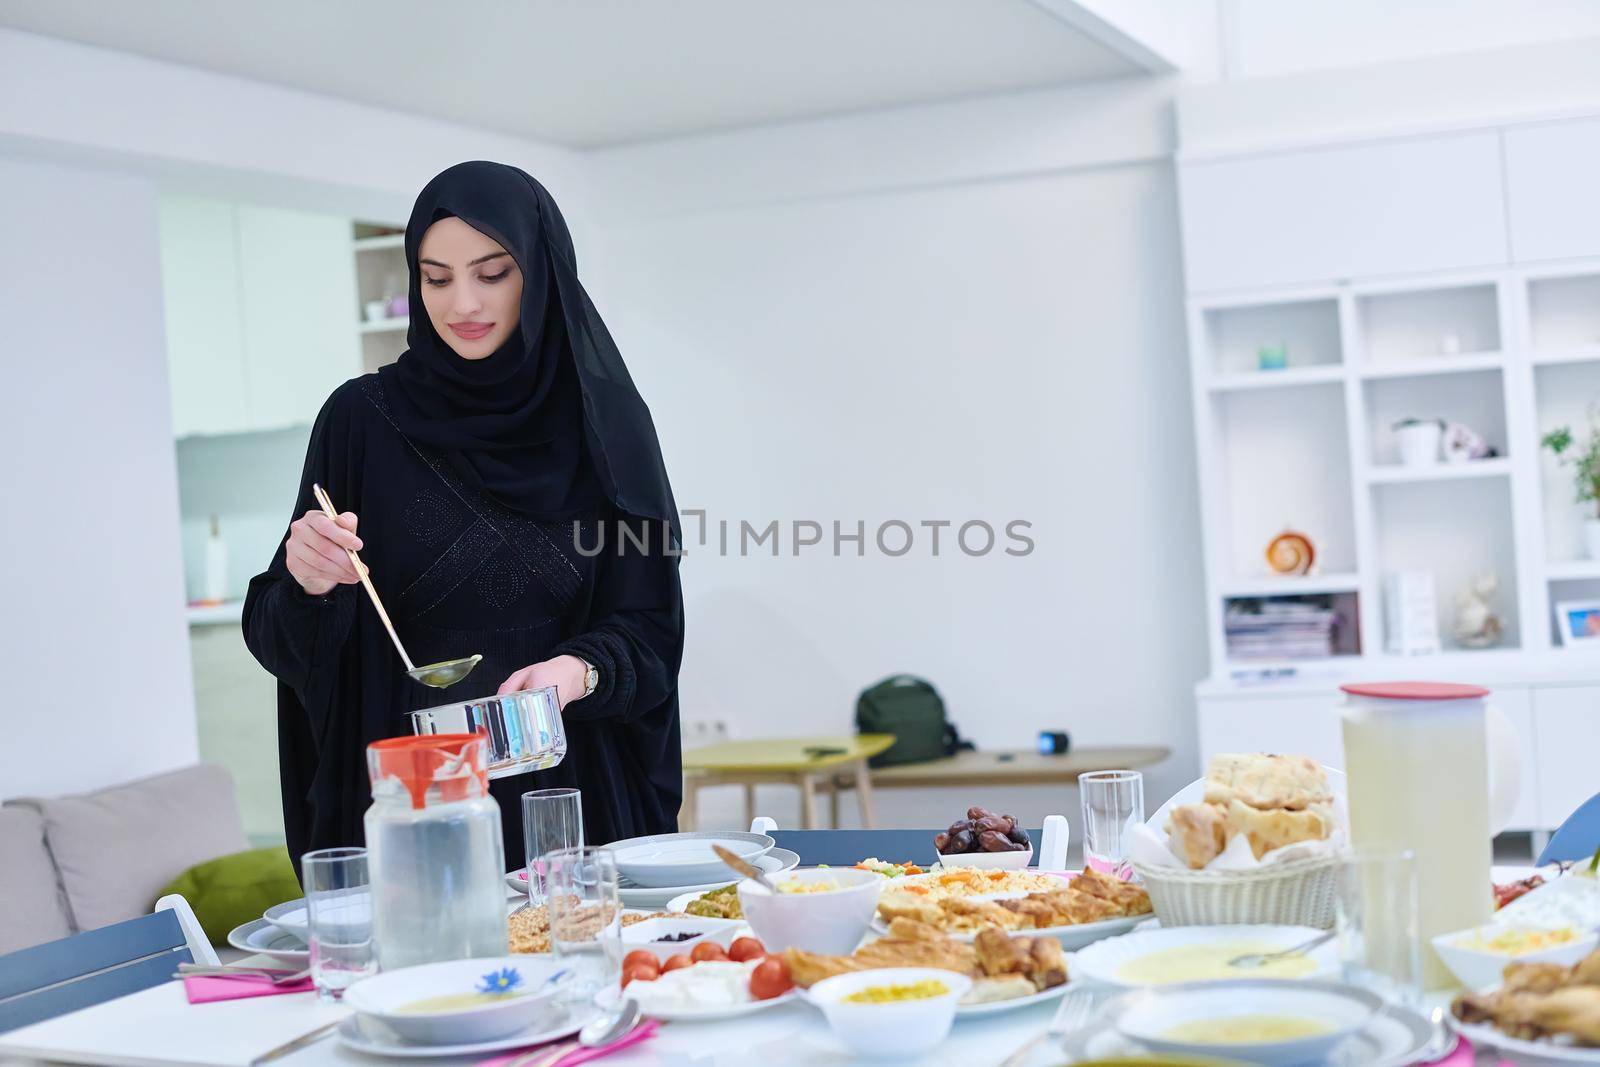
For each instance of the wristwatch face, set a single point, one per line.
(591, 681)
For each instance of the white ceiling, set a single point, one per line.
(595, 72)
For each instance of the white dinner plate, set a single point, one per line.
(1520, 1051)
(717, 1014)
(1071, 937)
(660, 861)
(995, 1007)
(367, 1034)
(1101, 961)
(1394, 1037)
(775, 862)
(258, 935)
(290, 917)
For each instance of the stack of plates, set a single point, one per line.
(652, 870)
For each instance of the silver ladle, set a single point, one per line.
(438, 675)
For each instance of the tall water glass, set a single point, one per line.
(339, 915)
(1376, 920)
(1113, 804)
(552, 820)
(585, 918)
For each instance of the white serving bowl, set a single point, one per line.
(1148, 1015)
(990, 861)
(831, 923)
(383, 996)
(899, 1028)
(644, 934)
(1479, 968)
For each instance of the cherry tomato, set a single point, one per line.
(641, 955)
(676, 963)
(707, 950)
(642, 972)
(746, 948)
(770, 979)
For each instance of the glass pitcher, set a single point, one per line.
(435, 851)
(1433, 770)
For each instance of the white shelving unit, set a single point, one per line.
(1310, 447)
(1450, 272)
(380, 267)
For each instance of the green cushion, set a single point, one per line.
(235, 889)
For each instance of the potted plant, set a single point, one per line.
(1419, 441)
(1586, 463)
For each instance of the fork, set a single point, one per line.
(276, 977)
(1073, 1013)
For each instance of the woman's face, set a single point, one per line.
(471, 287)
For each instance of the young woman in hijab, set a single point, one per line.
(486, 464)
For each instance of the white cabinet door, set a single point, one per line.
(200, 293)
(1301, 724)
(1566, 726)
(1552, 172)
(298, 284)
(1427, 203)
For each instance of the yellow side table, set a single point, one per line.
(807, 762)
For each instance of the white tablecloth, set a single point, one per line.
(160, 1026)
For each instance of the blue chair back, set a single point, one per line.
(52, 979)
(1577, 838)
(845, 848)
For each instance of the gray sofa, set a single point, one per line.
(75, 863)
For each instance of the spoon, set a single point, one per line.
(596, 1032)
(1252, 960)
(438, 675)
(744, 867)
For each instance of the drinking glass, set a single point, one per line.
(585, 918)
(339, 914)
(1113, 804)
(1376, 920)
(552, 820)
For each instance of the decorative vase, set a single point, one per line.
(1591, 538)
(1419, 443)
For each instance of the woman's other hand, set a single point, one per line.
(566, 673)
(315, 551)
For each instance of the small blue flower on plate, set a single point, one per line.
(505, 980)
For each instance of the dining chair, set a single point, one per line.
(845, 848)
(92, 967)
(1577, 837)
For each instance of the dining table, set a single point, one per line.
(158, 1026)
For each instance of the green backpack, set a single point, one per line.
(912, 710)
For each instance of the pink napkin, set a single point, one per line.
(204, 989)
(1463, 1057)
(639, 1033)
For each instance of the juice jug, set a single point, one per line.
(1418, 756)
(434, 851)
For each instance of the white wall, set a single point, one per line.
(1269, 38)
(990, 344)
(87, 136)
(89, 554)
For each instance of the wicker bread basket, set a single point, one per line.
(1295, 893)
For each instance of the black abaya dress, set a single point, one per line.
(461, 573)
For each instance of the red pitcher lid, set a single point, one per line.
(1416, 690)
(453, 762)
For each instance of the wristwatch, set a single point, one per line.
(591, 677)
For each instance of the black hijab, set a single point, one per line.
(551, 419)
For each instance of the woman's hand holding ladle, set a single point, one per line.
(315, 551)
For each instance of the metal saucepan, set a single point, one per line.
(525, 732)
